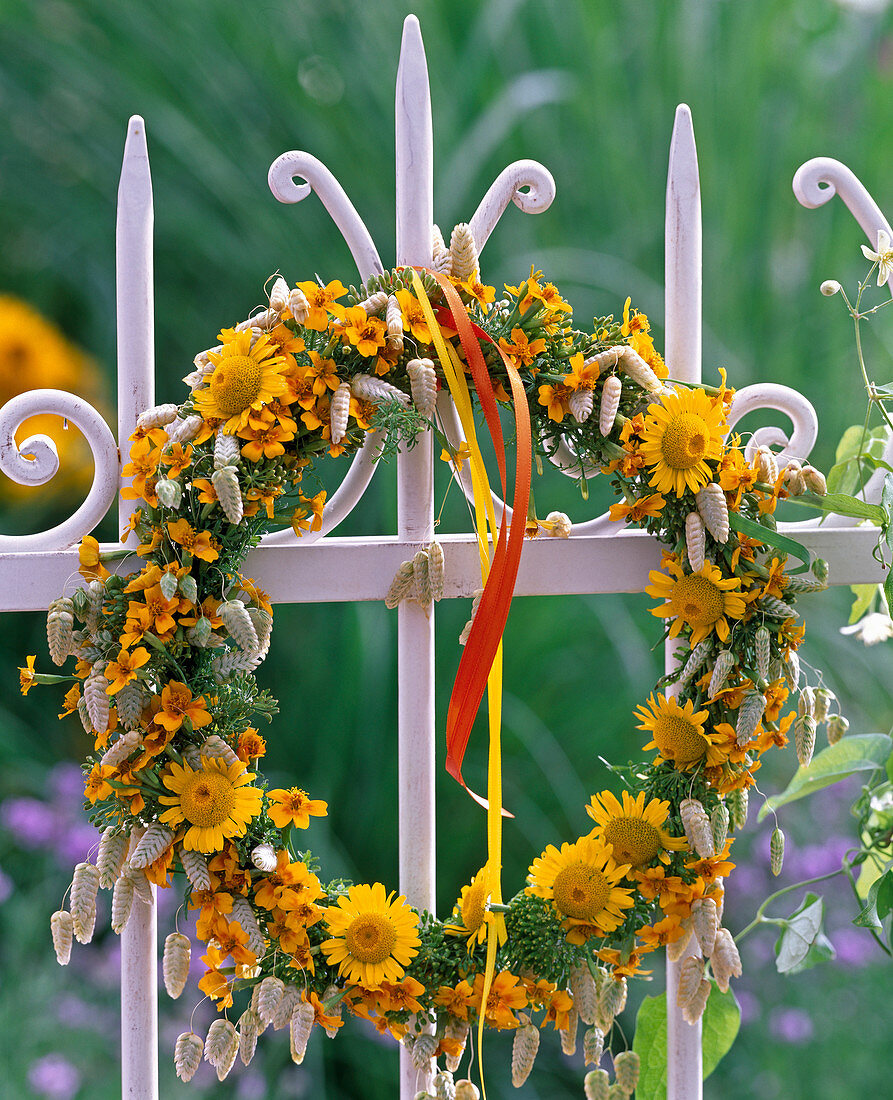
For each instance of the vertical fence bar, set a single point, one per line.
(134, 291)
(136, 389)
(683, 356)
(415, 514)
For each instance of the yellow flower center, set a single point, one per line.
(370, 937)
(635, 840)
(236, 383)
(207, 799)
(684, 442)
(473, 910)
(678, 739)
(581, 891)
(699, 601)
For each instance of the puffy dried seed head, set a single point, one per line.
(444, 1086)
(436, 570)
(719, 823)
(737, 802)
(593, 1046)
(84, 887)
(195, 867)
(690, 973)
(597, 1084)
(467, 1090)
(762, 639)
(187, 1055)
(776, 851)
(423, 384)
(678, 948)
(626, 1070)
(264, 857)
(635, 366)
(584, 993)
(400, 585)
(122, 903)
(821, 703)
(725, 960)
(463, 251)
(155, 840)
(249, 1028)
(580, 403)
(767, 466)
(696, 659)
(269, 997)
(804, 738)
(725, 662)
(421, 582)
(569, 1034)
(609, 404)
(300, 1026)
(693, 1009)
(705, 921)
(279, 295)
(422, 1052)
(526, 1044)
(62, 928)
(339, 411)
(175, 963)
(806, 702)
(837, 728)
(220, 1041)
(561, 525)
(714, 511)
(697, 827)
(815, 481)
(111, 856)
(695, 541)
(750, 714)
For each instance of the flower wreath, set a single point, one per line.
(164, 681)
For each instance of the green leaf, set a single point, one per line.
(844, 505)
(843, 477)
(720, 1025)
(878, 903)
(821, 950)
(781, 542)
(862, 752)
(799, 933)
(650, 1043)
(721, 1022)
(864, 595)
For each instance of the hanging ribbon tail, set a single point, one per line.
(489, 624)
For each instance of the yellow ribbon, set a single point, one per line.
(487, 533)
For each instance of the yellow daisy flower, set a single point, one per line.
(471, 909)
(373, 937)
(683, 431)
(678, 733)
(581, 881)
(244, 378)
(700, 600)
(214, 799)
(634, 829)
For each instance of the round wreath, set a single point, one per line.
(166, 656)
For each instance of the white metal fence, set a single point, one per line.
(597, 558)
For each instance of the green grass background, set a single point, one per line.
(588, 88)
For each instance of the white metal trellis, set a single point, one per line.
(598, 557)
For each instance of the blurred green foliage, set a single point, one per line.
(589, 88)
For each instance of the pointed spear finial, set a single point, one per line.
(683, 261)
(415, 150)
(134, 285)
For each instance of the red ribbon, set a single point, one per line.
(489, 623)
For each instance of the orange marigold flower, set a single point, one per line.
(97, 786)
(91, 568)
(322, 301)
(251, 745)
(301, 517)
(199, 544)
(265, 443)
(124, 668)
(177, 704)
(177, 458)
(555, 400)
(414, 319)
(505, 994)
(520, 350)
(27, 675)
(324, 374)
(367, 334)
(295, 807)
(637, 510)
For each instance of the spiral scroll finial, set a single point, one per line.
(292, 165)
(509, 186)
(36, 462)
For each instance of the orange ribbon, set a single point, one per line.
(489, 623)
